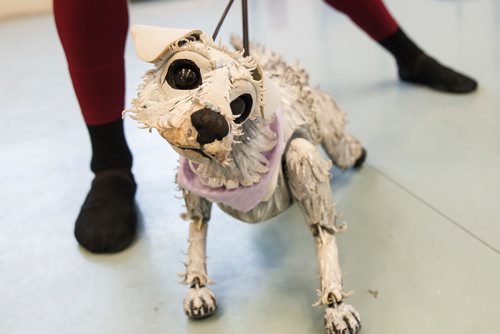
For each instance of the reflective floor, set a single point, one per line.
(422, 252)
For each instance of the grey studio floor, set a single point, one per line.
(422, 251)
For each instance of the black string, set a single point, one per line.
(244, 8)
(214, 36)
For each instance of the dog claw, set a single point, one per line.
(199, 303)
(342, 319)
(336, 296)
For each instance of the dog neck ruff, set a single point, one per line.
(242, 198)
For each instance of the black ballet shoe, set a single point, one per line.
(107, 222)
(427, 71)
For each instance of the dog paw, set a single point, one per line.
(360, 160)
(342, 319)
(199, 303)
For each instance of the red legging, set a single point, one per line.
(93, 34)
(370, 15)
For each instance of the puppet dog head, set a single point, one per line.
(199, 96)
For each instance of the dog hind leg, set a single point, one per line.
(309, 181)
(200, 301)
(344, 150)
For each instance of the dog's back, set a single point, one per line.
(296, 97)
(308, 112)
(304, 108)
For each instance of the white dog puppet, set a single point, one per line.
(247, 130)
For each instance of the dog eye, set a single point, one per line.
(183, 74)
(241, 107)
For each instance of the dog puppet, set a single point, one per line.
(247, 131)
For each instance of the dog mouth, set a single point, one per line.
(213, 153)
(197, 150)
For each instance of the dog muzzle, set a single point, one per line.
(242, 198)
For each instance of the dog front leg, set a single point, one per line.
(309, 180)
(200, 301)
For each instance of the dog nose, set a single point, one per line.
(210, 125)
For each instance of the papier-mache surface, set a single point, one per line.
(151, 42)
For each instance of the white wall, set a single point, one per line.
(13, 8)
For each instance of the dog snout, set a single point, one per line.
(210, 125)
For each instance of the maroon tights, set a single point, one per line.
(93, 34)
(370, 15)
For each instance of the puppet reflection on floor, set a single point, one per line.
(247, 129)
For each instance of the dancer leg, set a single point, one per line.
(93, 35)
(414, 65)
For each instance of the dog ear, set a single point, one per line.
(152, 42)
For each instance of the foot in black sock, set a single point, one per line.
(107, 222)
(416, 66)
(427, 71)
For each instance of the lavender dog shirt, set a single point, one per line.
(242, 198)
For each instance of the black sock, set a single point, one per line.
(401, 47)
(109, 147)
(416, 66)
(108, 218)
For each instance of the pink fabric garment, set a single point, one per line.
(242, 198)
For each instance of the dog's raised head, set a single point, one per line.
(199, 95)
